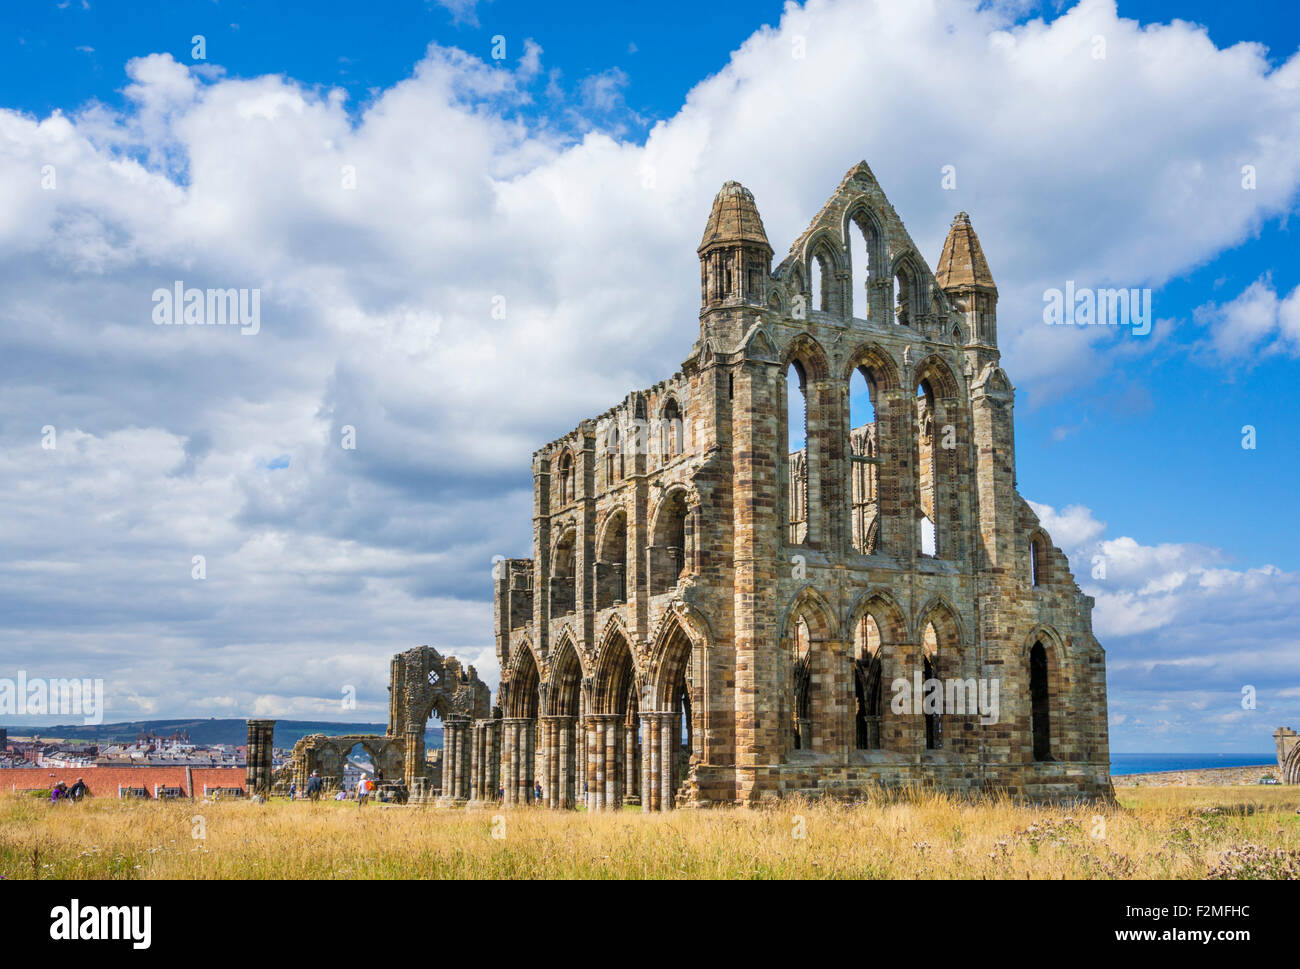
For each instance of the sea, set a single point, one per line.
(1150, 763)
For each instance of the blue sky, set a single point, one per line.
(480, 176)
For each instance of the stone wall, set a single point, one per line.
(729, 545)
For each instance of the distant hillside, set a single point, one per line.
(207, 732)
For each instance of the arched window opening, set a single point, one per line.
(563, 587)
(523, 696)
(357, 763)
(523, 703)
(928, 469)
(611, 564)
(868, 687)
(864, 462)
(668, 558)
(927, 537)
(796, 433)
(931, 709)
(613, 456)
(903, 296)
(820, 273)
(674, 693)
(802, 686)
(1037, 561)
(861, 243)
(566, 478)
(671, 429)
(565, 701)
(1041, 720)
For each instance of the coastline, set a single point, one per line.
(1198, 777)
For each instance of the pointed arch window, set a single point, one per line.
(566, 478)
(868, 685)
(613, 456)
(796, 432)
(1037, 561)
(671, 429)
(864, 458)
(1040, 716)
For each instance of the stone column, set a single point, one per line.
(455, 767)
(668, 741)
(413, 762)
(611, 730)
(631, 767)
(595, 765)
(526, 757)
(653, 760)
(564, 774)
(494, 759)
(476, 762)
(258, 761)
(508, 762)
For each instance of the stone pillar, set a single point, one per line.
(564, 774)
(455, 767)
(595, 767)
(507, 762)
(647, 768)
(258, 762)
(521, 779)
(478, 789)
(630, 764)
(667, 755)
(580, 761)
(611, 730)
(494, 759)
(413, 758)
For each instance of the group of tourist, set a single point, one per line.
(366, 788)
(60, 793)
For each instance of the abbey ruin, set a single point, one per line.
(800, 564)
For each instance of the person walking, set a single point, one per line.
(314, 785)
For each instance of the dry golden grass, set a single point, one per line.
(1156, 833)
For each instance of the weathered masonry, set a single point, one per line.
(799, 564)
(739, 573)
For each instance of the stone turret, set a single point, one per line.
(735, 256)
(963, 274)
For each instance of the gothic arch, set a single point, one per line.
(524, 697)
(615, 515)
(877, 359)
(907, 267)
(935, 372)
(674, 645)
(823, 248)
(947, 623)
(808, 353)
(664, 505)
(816, 611)
(884, 609)
(614, 675)
(564, 695)
(1052, 642)
(857, 212)
(1054, 695)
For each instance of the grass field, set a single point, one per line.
(1233, 832)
